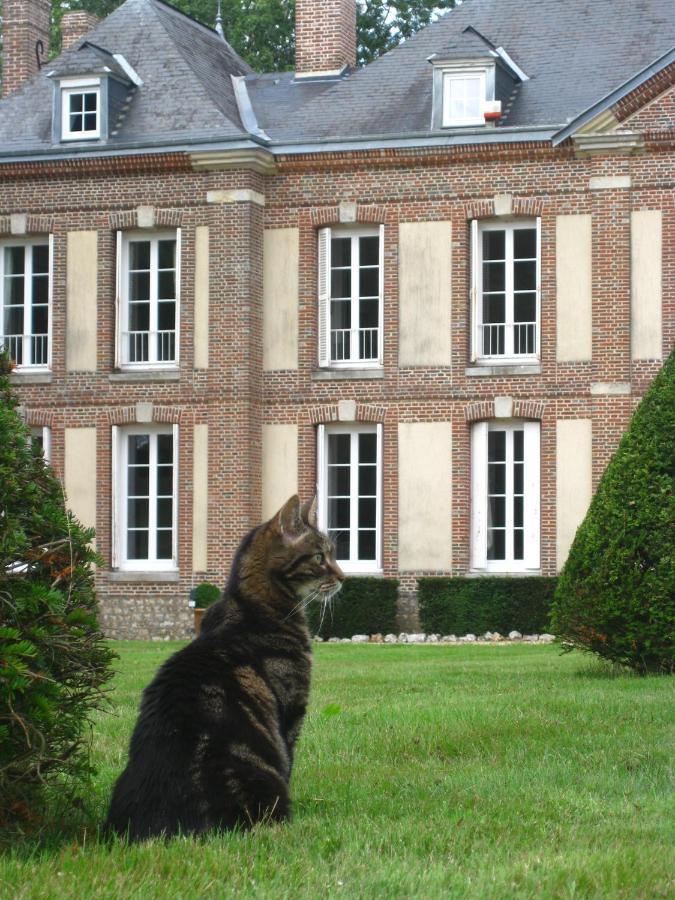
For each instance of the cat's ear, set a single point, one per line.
(308, 512)
(288, 520)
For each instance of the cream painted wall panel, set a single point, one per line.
(425, 293)
(202, 289)
(200, 498)
(646, 281)
(280, 466)
(280, 298)
(425, 496)
(574, 288)
(80, 473)
(81, 300)
(574, 458)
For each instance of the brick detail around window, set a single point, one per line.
(34, 417)
(364, 412)
(124, 220)
(330, 215)
(127, 415)
(34, 224)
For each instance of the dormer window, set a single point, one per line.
(81, 110)
(464, 96)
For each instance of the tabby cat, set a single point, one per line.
(213, 744)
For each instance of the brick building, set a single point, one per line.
(435, 287)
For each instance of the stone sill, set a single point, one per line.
(147, 577)
(346, 374)
(146, 375)
(482, 573)
(501, 371)
(19, 378)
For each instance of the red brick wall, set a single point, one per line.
(74, 25)
(24, 22)
(325, 35)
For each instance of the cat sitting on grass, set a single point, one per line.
(213, 744)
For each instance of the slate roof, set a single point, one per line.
(575, 53)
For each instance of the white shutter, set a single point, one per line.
(378, 505)
(116, 502)
(179, 240)
(324, 296)
(118, 301)
(479, 510)
(321, 479)
(50, 289)
(474, 326)
(537, 329)
(532, 495)
(176, 519)
(380, 338)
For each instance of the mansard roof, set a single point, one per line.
(197, 91)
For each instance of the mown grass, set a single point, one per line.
(422, 772)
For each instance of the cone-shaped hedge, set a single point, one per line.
(616, 593)
(53, 659)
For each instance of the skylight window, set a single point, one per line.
(81, 110)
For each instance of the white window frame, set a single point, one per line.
(461, 77)
(509, 357)
(45, 433)
(352, 566)
(531, 562)
(28, 300)
(326, 236)
(69, 89)
(120, 496)
(124, 239)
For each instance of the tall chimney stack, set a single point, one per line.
(24, 23)
(325, 37)
(75, 24)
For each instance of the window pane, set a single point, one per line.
(90, 101)
(525, 276)
(369, 282)
(341, 314)
(370, 251)
(367, 481)
(165, 544)
(13, 320)
(369, 313)
(525, 243)
(166, 285)
(341, 252)
(341, 283)
(339, 481)
(494, 245)
(496, 446)
(339, 448)
(518, 478)
(76, 103)
(166, 254)
(518, 544)
(165, 449)
(15, 261)
(137, 545)
(494, 276)
(366, 546)
(367, 512)
(90, 122)
(341, 541)
(139, 481)
(139, 449)
(139, 255)
(524, 307)
(368, 448)
(496, 545)
(138, 513)
(165, 513)
(166, 316)
(139, 317)
(40, 289)
(41, 259)
(40, 318)
(76, 122)
(338, 513)
(497, 512)
(496, 478)
(164, 481)
(519, 445)
(139, 286)
(518, 512)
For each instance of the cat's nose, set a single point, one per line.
(337, 571)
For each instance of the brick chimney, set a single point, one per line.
(325, 36)
(24, 23)
(74, 25)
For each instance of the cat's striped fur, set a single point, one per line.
(214, 742)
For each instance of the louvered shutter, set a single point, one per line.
(532, 495)
(179, 243)
(116, 499)
(324, 296)
(321, 485)
(474, 327)
(479, 510)
(119, 327)
(537, 329)
(380, 337)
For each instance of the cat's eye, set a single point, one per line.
(318, 557)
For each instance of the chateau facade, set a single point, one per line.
(433, 289)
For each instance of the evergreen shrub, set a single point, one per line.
(205, 594)
(616, 592)
(476, 605)
(53, 658)
(363, 606)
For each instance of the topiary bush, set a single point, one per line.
(363, 606)
(476, 605)
(616, 592)
(205, 594)
(53, 658)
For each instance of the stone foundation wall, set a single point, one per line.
(146, 618)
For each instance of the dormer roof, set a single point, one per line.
(86, 58)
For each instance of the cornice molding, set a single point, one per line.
(255, 160)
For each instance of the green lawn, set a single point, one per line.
(428, 772)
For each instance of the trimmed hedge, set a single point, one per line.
(476, 605)
(363, 606)
(616, 593)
